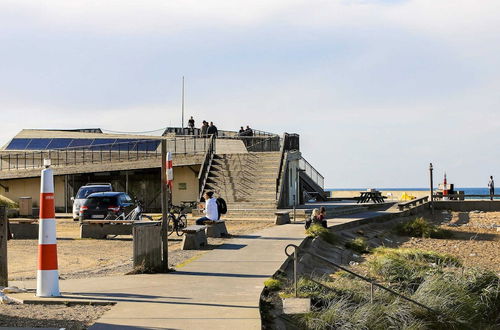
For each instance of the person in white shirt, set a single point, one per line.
(491, 185)
(211, 210)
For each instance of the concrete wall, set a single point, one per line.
(468, 205)
(396, 194)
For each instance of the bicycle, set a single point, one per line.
(135, 214)
(176, 223)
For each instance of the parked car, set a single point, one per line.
(109, 204)
(84, 192)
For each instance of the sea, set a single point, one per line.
(467, 191)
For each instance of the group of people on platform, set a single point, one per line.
(245, 132)
(206, 128)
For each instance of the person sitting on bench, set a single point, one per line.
(211, 212)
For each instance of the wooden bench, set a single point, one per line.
(194, 237)
(282, 217)
(24, 228)
(412, 203)
(216, 229)
(100, 229)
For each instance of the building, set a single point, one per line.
(265, 171)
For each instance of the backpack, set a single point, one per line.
(221, 205)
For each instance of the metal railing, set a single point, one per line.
(181, 131)
(205, 167)
(104, 153)
(373, 284)
(263, 143)
(312, 173)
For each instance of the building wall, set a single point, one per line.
(144, 186)
(185, 185)
(31, 188)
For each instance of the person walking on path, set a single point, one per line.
(211, 211)
(212, 129)
(491, 186)
(191, 126)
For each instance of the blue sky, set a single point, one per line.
(376, 89)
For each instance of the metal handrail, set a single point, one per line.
(281, 171)
(311, 172)
(372, 282)
(207, 163)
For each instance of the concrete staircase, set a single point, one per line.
(247, 182)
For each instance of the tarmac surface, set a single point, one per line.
(219, 289)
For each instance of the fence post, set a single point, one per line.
(164, 206)
(4, 222)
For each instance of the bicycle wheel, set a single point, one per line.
(181, 224)
(171, 224)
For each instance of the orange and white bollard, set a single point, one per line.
(47, 284)
(170, 170)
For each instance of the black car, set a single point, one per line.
(103, 205)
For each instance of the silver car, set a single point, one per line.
(83, 192)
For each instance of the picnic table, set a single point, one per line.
(366, 196)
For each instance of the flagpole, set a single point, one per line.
(182, 124)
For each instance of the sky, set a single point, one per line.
(377, 89)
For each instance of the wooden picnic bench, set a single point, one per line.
(366, 196)
(194, 237)
(412, 203)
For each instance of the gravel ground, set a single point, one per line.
(79, 258)
(476, 238)
(50, 316)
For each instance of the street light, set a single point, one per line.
(432, 187)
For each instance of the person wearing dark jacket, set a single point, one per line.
(212, 129)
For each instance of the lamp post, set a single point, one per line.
(432, 187)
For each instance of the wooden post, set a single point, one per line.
(3, 246)
(164, 206)
(431, 188)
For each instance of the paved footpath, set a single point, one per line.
(218, 290)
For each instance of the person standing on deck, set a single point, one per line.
(491, 186)
(212, 129)
(204, 129)
(191, 126)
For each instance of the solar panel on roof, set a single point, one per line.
(81, 142)
(38, 144)
(147, 145)
(18, 144)
(124, 144)
(102, 144)
(59, 143)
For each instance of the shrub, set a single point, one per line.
(419, 227)
(7, 202)
(316, 230)
(358, 244)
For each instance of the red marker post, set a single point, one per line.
(48, 275)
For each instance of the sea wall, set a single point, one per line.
(393, 194)
(468, 205)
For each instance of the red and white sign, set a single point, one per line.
(170, 170)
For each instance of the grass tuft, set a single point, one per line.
(359, 244)
(420, 227)
(273, 284)
(316, 230)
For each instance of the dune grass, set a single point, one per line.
(462, 298)
(420, 227)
